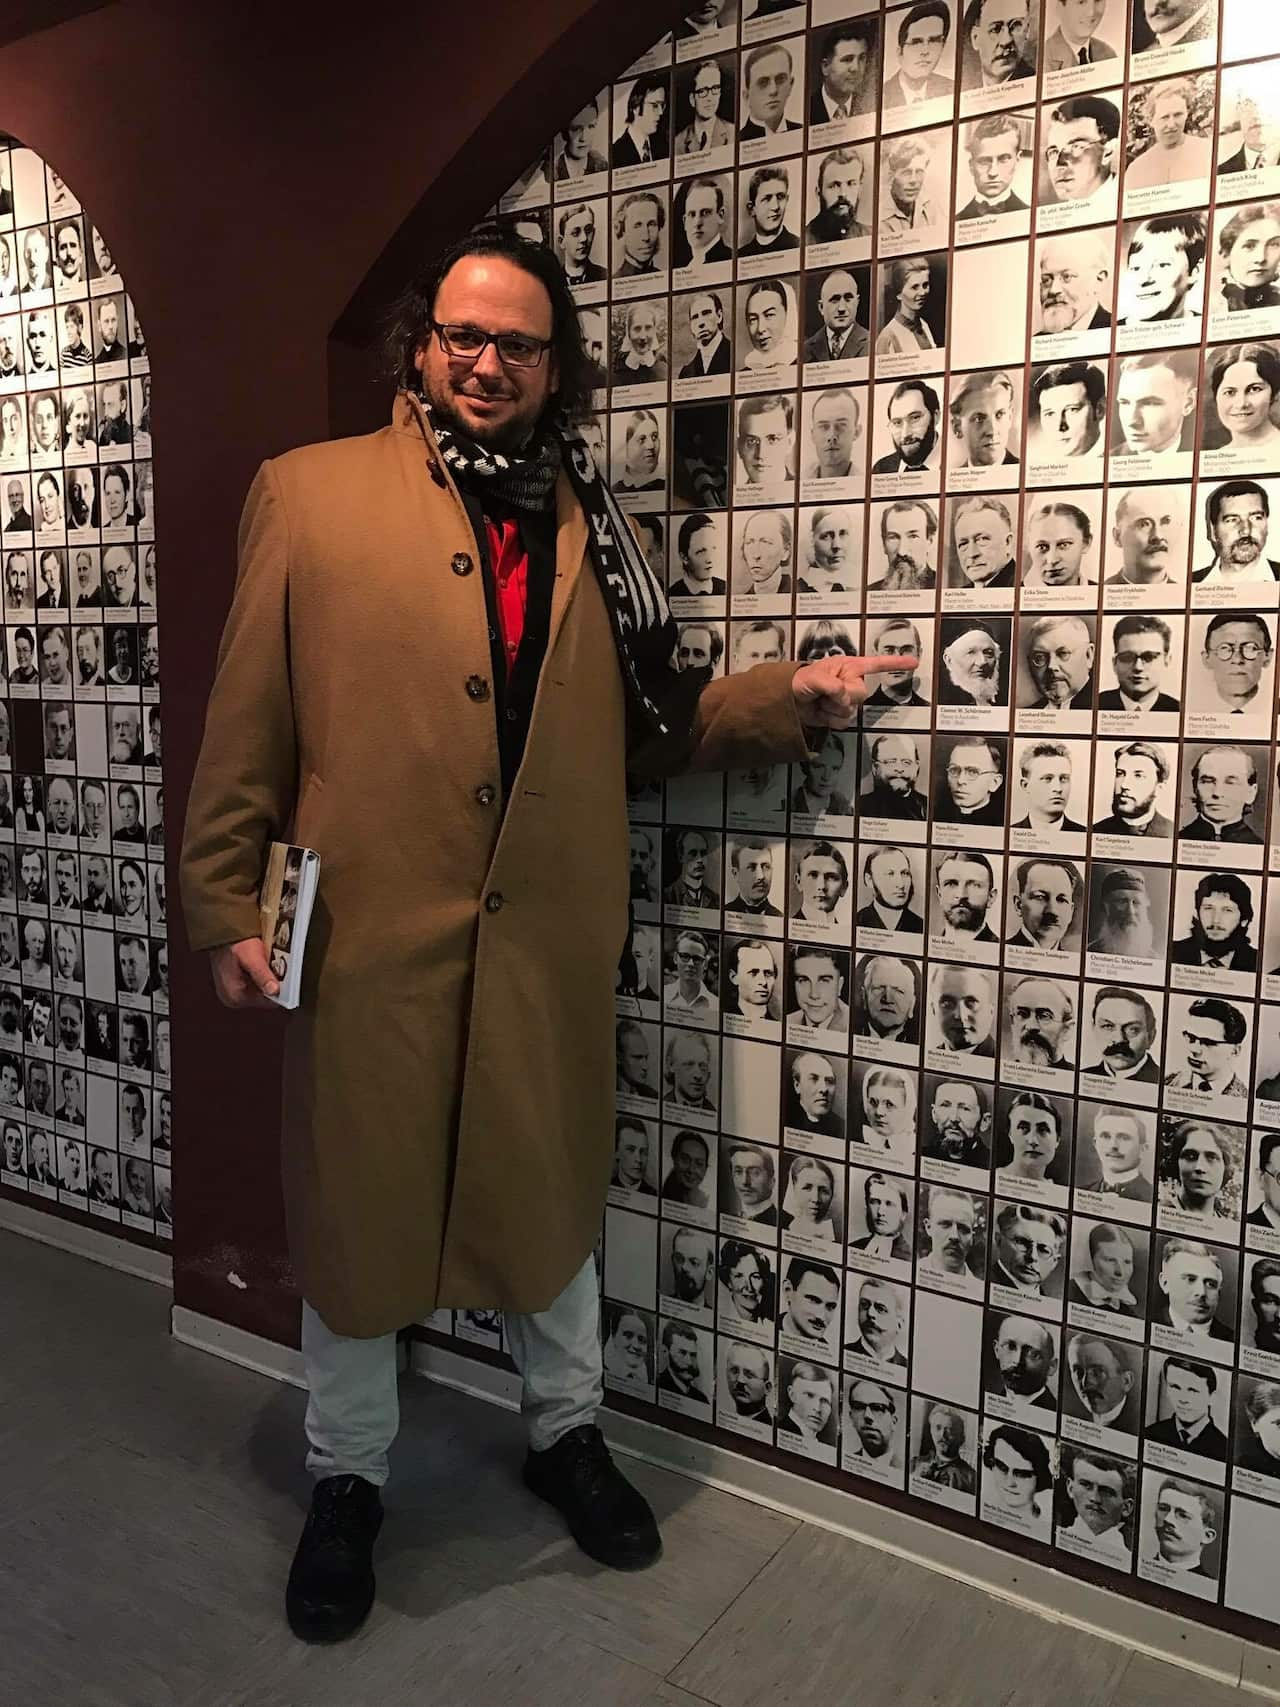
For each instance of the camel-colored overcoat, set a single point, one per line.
(449, 1076)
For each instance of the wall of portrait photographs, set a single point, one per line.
(84, 969)
(948, 1123)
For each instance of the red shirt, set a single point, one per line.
(510, 563)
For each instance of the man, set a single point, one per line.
(758, 642)
(897, 637)
(1040, 1015)
(114, 427)
(1141, 656)
(908, 530)
(1124, 1030)
(766, 442)
(810, 1300)
(768, 194)
(905, 210)
(923, 33)
(816, 794)
(1140, 770)
(1105, 1390)
(690, 1159)
(707, 128)
(839, 192)
(888, 1208)
(686, 993)
(1224, 788)
(982, 411)
(995, 33)
(575, 157)
(1264, 1294)
(768, 78)
(894, 772)
(752, 970)
(749, 1381)
(982, 533)
(1044, 782)
(973, 784)
(576, 229)
(962, 1011)
(1190, 1279)
(1069, 406)
(959, 1125)
(811, 1097)
(711, 351)
(682, 1371)
(691, 884)
(1257, 148)
(751, 862)
(914, 412)
(1081, 150)
(1189, 1386)
(1074, 272)
(1156, 404)
(1027, 1250)
(835, 425)
(1186, 1521)
(643, 137)
(767, 316)
(1249, 251)
(944, 1462)
(841, 336)
(1221, 916)
(42, 351)
(1212, 1035)
(19, 515)
(888, 988)
(964, 889)
(1237, 654)
(950, 1224)
(1100, 1489)
(687, 1074)
(45, 437)
(17, 583)
(638, 225)
(700, 225)
(1175, 22)
(75, 352)
(822, 881)
(846, 53)
(1025, 1359)
(1074, 40)
(1174, 155)
(882, 1317)
(818, 980)
(886, 873)
(692, 1264)
(1237, 519)
(1060, 653)
(869, 1433)
(1121, 915)
(994, 149)
(698, 544)
(110, 349)
(103, 1187)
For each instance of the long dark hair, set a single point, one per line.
(410, 318)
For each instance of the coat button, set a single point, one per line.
(486, 794)
(477, 687)
(461, 563)
(494, 903)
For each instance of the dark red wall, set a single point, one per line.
(263, 173)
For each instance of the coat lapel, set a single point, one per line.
(571, 549)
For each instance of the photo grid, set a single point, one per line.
(84, 960)
(947, 1149)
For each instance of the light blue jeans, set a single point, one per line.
(353, 1410)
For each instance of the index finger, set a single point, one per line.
(881, 661)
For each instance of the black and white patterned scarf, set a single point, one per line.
(644, 632)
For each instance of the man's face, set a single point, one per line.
(65, 954)
(819, 987)
(763, 548)
(747, 1377)
(1141, 663)
(1134, 790)
(1072, 279)
(706, 93)
(1024, 1352)
(822, 883)
(689, 1159)
(1097, 1375)
(13, 492)
(1181, 1530)
(690, 1068)
(631, 1152)
(1235, 675)
(890, 994)
(755, 877)
(971, 775)
(18, 576)
(957, 1116)
(690, 1259)
(998, 38)
(1188, 1395)
(1123, 1032)
(965, 1006)
(1046, 783)
(694, 649)
(95, 805)
(1039, 1017)
(69, 1027)
(1076, 157)
(764, 444)
(838, 301)
(1223, 786)
(1069, 422)
(763, 646)
(885, 1211)
(1191, 1283)
(1151, 404)
(844, 68)
(973, 660)
(1159, 274)
(839, 188)
(634, 1051)
(1029, 1251)
(108, 321)
(896, 764)
(912, 427)
(579, 235)
(907, 539)
(964, 892)
(1255, 255)
(643, 447)
(704, 319)
(769, 207)
(44, 422)
(890, 877)
(983, 544)
(950, 1225)
(983, 429)
(134, 1111)
(133, 966)
(58, 729)
(835, 425)
(38, 1081)
(1219, 917)
(1060, 659)
(1266, 1293)
(703, 220)
(815, 1083)
(811, 1304)
(1117, 1138)
(879, 1317)
(1239, 536)
(39, 339)
(1098, 1496)
(649, 115)
(1080, 18)
(993, 160)
(124, 734)
(770, 88)
(1206, 1046)
(32, 869)
(78, 421)
(577, 135)
(682, 1357)
(871, 1410)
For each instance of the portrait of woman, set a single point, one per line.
(809, 1200)
(906, 291)
(628, 1353)
(639, 358)
(747, 1284)
(1244, 383)
(1197, 1171)
(889, 1112)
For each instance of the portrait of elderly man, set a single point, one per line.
(1141, 658)
(1237, 522)
(1249, 258)
(768, 79)
(846, 60)
(1059, 657)
(999, 46)
(993, 147)
(887, 878)
(840, 335)
(712, 352)
(982, 411)
(1155, 404)
(882, 1313)
(1081, 151)
(706, 128)
(1176, 151)
(1068, 407)
(906, 210)
(1210, 1040)
(835, 433)
(748, 1382)
(959, 1124)
(1220, 925)
(1121, 919)
(971, 784)
(698, 230)
(886, 999)
(1140, 770)
(1044, 788)
(894, 772)
(1124, 1032)
(1224, 790)
(973, 662)
(1073, 272)
(1040, 1015)
(923, 33)
(838, 191)
(1104, 1284)
(945, 1456)
(982, 531)
(1163, 269)
(1259, 139)
(962, 1011)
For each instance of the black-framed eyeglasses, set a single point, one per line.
(468, 344)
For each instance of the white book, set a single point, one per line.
(284, 909)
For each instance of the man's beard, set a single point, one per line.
(964, 916)
(512, 435)
(1239, 938)
(1128, 939)
(1036, 1050)
(839, 214)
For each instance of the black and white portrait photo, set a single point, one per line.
(1097, 1506)
(1244, 296)
(1080, 155)
(996, 152)
(944, 1454)
(919, 64)
(1107, 1292)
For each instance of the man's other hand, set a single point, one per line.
(241, 975)
(830, 690)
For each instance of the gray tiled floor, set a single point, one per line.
(151, 1497)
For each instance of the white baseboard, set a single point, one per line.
(45, 1229)
(237, 1345)
(1035, 1588)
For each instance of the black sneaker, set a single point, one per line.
(331, 1581)
(606, 1516)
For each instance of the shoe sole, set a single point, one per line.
(320, 1628)
(620, 1561)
